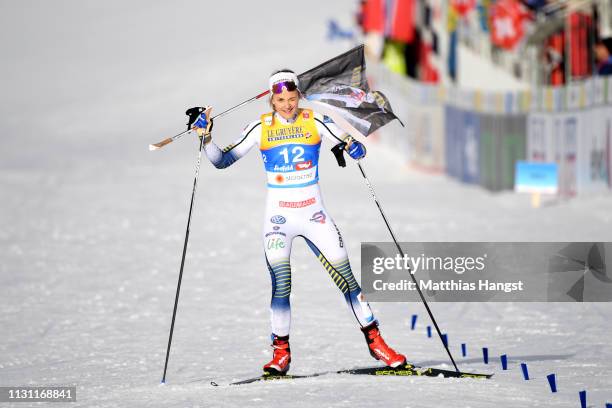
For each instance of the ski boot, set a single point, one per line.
(279, 365)
(379, 349)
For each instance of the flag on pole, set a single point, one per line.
(341, 84)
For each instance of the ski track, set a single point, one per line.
(93, 227)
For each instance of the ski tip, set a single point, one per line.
(153, 147)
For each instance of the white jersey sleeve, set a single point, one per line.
(328, 128)
(251, 136)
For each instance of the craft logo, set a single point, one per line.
(278, 219)
(303, 165)
(340, 241)
(275, 243)
(319, 217)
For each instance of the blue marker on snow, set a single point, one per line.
(428, 331)
(583, 403)
(485, 355)
(445, 339)
(463, 349)
(552, 381)
(504, 361)
(525, 371)
(413, 322)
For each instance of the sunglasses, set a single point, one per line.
(289, 85)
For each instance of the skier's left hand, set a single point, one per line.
(201, 122)
(355, 148)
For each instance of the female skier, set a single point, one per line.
(289, 139)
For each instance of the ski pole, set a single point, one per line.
(159, 145)
(401, 251)
(178, 286)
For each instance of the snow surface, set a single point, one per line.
(92, 227)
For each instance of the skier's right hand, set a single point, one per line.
(204, 124)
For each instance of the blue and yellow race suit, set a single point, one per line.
(290, 152)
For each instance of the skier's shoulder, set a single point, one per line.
(322, 118)
(252, 127)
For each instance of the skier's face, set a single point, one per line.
(286, 103)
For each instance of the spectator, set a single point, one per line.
(603, 57)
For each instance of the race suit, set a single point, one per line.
(290, 152)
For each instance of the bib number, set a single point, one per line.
(297, 154)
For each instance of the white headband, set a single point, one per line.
(282, 77)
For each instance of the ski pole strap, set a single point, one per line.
(206, 138)
(338, 151)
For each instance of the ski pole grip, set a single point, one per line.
(338, 151)
(161, 144)
(165, 142)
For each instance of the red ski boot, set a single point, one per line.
(281, 357)
(379, 349)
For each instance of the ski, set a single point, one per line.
(270, 377)
(412, 370)
(406, 370)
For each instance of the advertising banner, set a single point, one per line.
(566, 132)
(540, 139)
(606, 114)
(533, 177)
(488, 148)
(453, 146)
(592, 165)
(427, 140)
(478, 137)
(470, 140)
